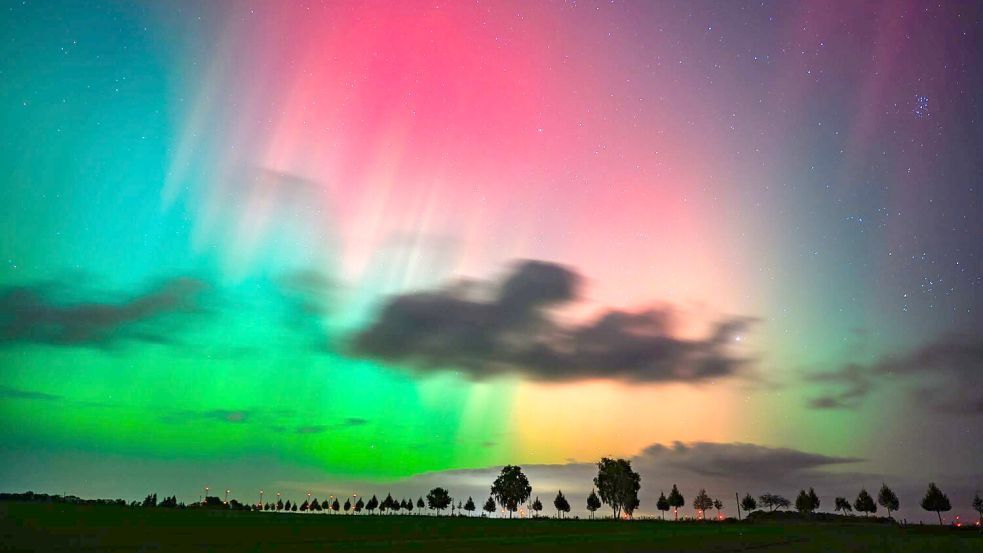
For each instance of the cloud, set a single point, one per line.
(507, 328)
(738, 461)
(232, 416)
(940, 375)
(350, 422)
(6, 392)
(31, 314)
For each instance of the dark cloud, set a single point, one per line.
(940, 375)
(738, 461)
(6, 392)
(509, 330)
(350, 422)
(233, 416)
(32, 314)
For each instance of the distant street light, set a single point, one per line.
(226, 497)
(260, 499)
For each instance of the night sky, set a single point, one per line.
(368, 246)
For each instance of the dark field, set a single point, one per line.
(60, 527)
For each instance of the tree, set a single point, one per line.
(469, 506)
(813, 499)
(438, 499)
(937, 501)
(593, 503)
(978, 506)
(748, 503)
(676, 501)
(315, 506)
(662, 504)
(841, 504)
(717, 504)
(489, 506)
(294, 508)
(420, 504)
(150, 500)
(865, 503)
(888, 499)
(304, 506)
(803, 503)
(631, 506)
(617, 484)
(335, 506)
(348, 505)
(359, 505)
(326, 505)
(511, 488)
(372, 505)
(279, 504)
(287, 506)
(388, 503)
(774, 501)
(561, 504)
(537, 506)
(702, 502)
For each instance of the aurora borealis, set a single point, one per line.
(313, 244)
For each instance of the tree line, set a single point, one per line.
(616, 485)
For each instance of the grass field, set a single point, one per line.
(62, 527)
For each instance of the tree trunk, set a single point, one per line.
(940, 517)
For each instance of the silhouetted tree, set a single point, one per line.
(315, 505)
(888, 499)
(631, 506)
(865, 503)
(978, 506)
(814, 499)
(702, 502)
(748, 503)
(489, 506)
(335, 506)
(372, 504)
(617, 484)
(359, 505)
(537, 506)
(511, 488)
(937, 501)
(593, 503)
(438, 499)
(150, 500)
(304, 506)
(469, 506)
(420, 504)
(294, 508)
(676, 501)
(803, 503)
(388, 504)
(717, 504)
(279, 504)
(287, 506)
(841, 504)
(774, 501)
(561, 504)
(348, 505)
(662, 504)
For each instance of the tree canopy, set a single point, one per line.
(888, 499)
(438, 499)
(593, 503)
(511, 488)
(937, 501)
(618, 485)
(865, 503)
(561, 504)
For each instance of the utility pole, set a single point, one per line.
(737, 497)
